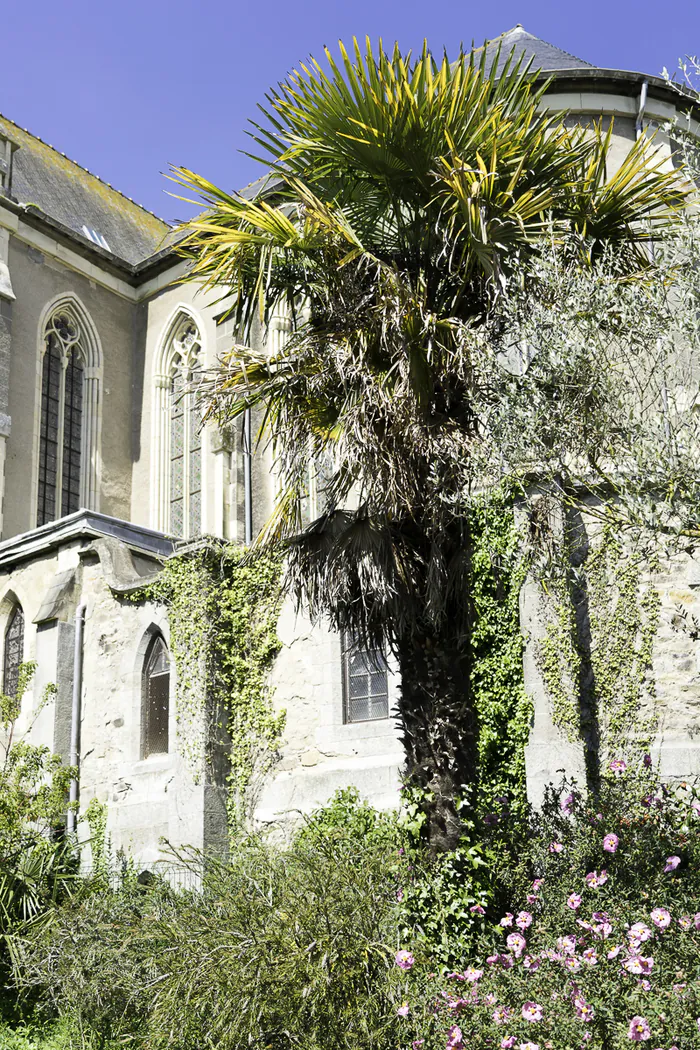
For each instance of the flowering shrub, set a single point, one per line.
(602, 950)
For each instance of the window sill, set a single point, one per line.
(154, 763)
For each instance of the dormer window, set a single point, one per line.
(7, 148)
(96, 237)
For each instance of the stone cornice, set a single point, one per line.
(86, 525)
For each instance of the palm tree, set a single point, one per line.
(403, 196)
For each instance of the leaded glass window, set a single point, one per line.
(185, 435)
(60, 434)
(155, 695)
(365, 682)
(14, 651)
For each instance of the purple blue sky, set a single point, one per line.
(129, 88)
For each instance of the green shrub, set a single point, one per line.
(277, 946)
(37, 864)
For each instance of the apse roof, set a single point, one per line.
(545, 56)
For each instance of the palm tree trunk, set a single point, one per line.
(439, 729)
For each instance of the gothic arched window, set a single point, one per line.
(155, 697)
(178, 443)
(14, 651)
(69, 392)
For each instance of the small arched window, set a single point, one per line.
(155, 696)
(14, 651)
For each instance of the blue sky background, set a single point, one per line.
(129, 88)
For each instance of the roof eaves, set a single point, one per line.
(626, 82)
(80, 525)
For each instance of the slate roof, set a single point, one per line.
(545, 56)
(73, 196)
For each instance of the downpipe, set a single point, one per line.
(247, 476)
(639, 123)
(73, 755)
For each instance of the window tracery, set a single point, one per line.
(13, 654)
(67, 468)
(178, 444)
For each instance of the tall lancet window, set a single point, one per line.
(178, 439)
(67, 433)
(155, 693)
(14, 651)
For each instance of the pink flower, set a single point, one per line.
(572, 963)
(529, 1046)
(454, 1038)
(567, 803)
(517, 943)
(614, 952)
(532, 1012)
(501, 1014)
(696, 920)
(661, 917)
(685, 922)
(574, 901)
(567, 944)
(471, 974)
(595, 880)
(590, 956)
(403, 1011)
(417, 1044)
(404, 959)
(611, 842)
(507, 919)
(603, 930)
(556, 847)
(618, 766)
(531, 963)
(531, 898)
(638, 934)
(508, 1043)
(637, 964)
(647, 761)
(523, 920)
(584, 1011)
(476, 909)
(638, 1030)
(672, 863)
(536, 884)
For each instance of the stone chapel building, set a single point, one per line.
(104, 471)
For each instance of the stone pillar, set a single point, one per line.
(160, 467)
(6, 298)
(91, 438)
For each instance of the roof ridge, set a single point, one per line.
(541, 39)
(86, 170)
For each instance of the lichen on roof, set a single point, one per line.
(73, 196)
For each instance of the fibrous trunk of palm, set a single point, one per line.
(439, 727)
